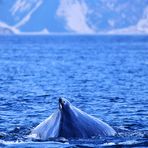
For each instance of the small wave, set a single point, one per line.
(133, 143)
(31, 143)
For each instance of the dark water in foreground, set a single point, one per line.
(105, 76)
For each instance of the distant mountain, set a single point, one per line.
(74, 16)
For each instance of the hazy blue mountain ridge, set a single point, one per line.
(74, 16)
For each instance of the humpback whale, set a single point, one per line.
(70, 122)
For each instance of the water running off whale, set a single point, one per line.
(70, 122)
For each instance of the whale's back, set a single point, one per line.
(70, 122)
(49, 128)
(79, 124)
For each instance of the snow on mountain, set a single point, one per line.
(140, 28)
(6, 29)
(74, 16)
(9, 30)
(142, 25)
(21, 6)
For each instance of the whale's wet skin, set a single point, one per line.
(70, 122)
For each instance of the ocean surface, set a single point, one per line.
(105, 76)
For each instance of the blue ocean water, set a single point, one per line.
(105, 76)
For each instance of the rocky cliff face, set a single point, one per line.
(74, 16)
